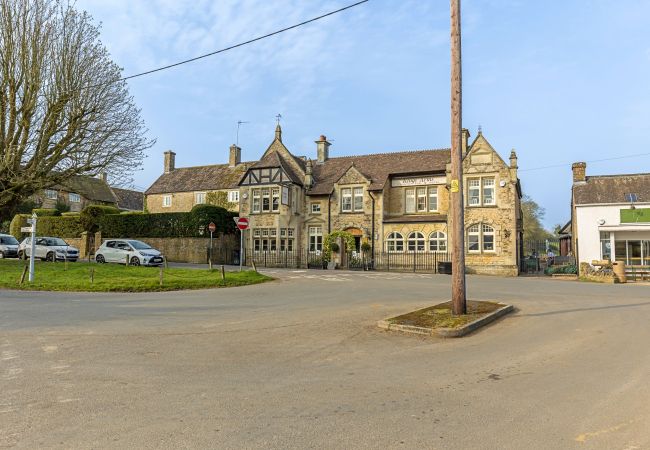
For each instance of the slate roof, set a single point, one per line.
(128, 199)
(200, 178)
(274, 159)
(93, 189)
(378, 167)
(612, 189)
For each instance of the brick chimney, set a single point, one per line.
(322, 149)
(309, 177)
(170, 161)
(103, 176)
(513, 165)
(464, 140)
(579, 172)
(235, 156)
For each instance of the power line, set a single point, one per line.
(591, 161)
(241, 44)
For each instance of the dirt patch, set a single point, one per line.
(439, 316)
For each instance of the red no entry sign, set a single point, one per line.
(242, 223)
(212, 227)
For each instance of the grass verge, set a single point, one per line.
(118, 278)
(440, 316)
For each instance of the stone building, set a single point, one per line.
(396, 202)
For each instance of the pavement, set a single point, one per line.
(300, 363)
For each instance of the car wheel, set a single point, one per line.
(135, 261)
(100, 259)
(50, 257)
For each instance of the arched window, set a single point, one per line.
(416, 242)
(480, 238)
(437, 242)
(395, 242)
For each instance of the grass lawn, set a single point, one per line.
(440, 316)
(117, 278)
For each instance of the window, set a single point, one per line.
(346, 200)
(488, 191)
(395, 242)
(315, 208)
(286, 239)
(167, 201)
(74, 198)
(433, 199)
(358, 199)
(315, 239)
(51, 194)
(415, 242)
(233, 196)
(275, 203)
(265, 239)
(474, 191)
(266, 200)
(199, 198)
(410, 201)
(421, 199)
(256, 200)
(605, 246)
(480, 237)
(437, 242)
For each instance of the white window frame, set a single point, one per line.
(439, 239)
(433, 194)
(233, 196)
(315, 208)
(266, 196)
(199, 198)
(488, 183)
(416, 240)
(51, 194)
(487, 230)
(73, 197)
(346, 200)
(409, 201)
(477, 233)
(315, 239)
(256, 205)
(357, 200)
(473, 192)
(394, 242)
(167, 201)
(421, 199)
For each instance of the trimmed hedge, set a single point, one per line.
(64, 226)
(46, 212)
(91, 216)
(19, 220)
(192, 224)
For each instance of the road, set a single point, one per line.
(299, 363)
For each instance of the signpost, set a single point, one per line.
(31, 230)
(212, 228)
(242, 224)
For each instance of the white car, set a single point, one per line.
(48, 249)
(123, 250)
(8, 246)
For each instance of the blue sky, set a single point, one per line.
(560, 81)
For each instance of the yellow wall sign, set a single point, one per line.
(454, 185)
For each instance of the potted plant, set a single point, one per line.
(334, 247)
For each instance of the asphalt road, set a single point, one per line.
(299, 363)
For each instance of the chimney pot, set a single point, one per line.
(322, 149)
(170, 161)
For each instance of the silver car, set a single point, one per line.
(48, 249)
(8, 246)
(129, 251)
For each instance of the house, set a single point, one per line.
(81, 191)
(610, 217)
(396, 202)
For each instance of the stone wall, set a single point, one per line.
(188, 250)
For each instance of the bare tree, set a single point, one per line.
(63, 109)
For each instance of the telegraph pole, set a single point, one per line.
(458, 298)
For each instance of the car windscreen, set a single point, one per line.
(54, 241)
(8, 240)
(139, 245)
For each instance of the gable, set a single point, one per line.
(265, 175)
(481, 153)
(353, 176)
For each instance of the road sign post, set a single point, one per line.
(242, 224)
(32, 222)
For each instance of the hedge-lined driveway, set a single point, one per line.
(299, 363)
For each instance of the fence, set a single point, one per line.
(303, 259)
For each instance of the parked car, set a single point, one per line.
(48, 249)
(123, 250)
(8, 246)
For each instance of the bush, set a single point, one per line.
(64, 226)
(568, 269)
(334, 247)
(366, 247)
(91, 215)
(46, 212)
(19, 220)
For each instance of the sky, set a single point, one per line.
(559, 81)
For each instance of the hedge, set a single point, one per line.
(64, 226)
(46, 212)
(92, 214)
(192, 224)
(19, 220)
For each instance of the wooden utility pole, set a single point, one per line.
(458, 298)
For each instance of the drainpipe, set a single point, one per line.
(329, 213)
(372, 238)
